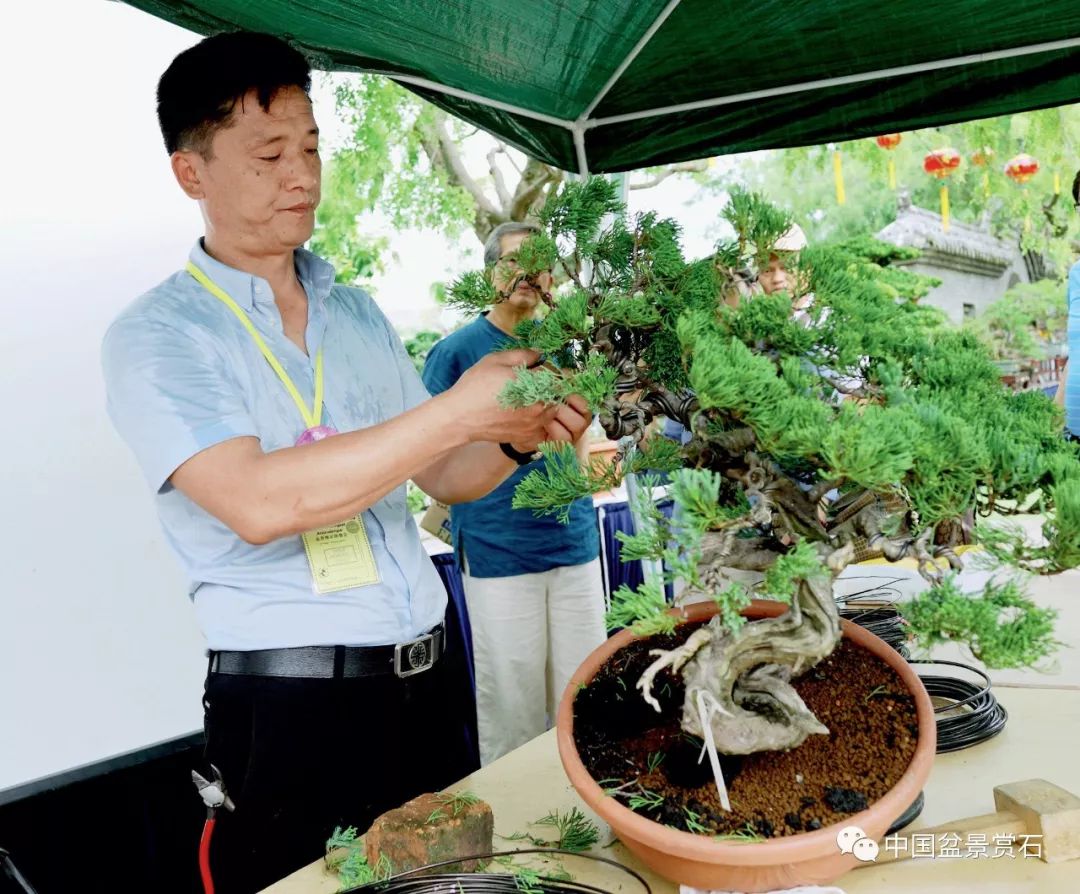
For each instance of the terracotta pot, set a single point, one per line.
(809, 858)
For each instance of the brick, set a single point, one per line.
(427, 830)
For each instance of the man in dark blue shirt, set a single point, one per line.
(533, 585)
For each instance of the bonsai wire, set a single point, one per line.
(908, 816)
(884, 622)
(491, 883)
(986, 718)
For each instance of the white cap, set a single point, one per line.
(793, 240)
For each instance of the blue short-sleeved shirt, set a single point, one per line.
(1072, 386)
(495, 539)
(182, 374)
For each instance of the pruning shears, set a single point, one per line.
(214, 797)
(213, 793)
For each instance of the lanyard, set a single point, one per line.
(313, 417)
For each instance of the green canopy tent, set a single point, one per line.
(610, 85)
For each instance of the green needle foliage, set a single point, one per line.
(747, 833)
(345, 854)
(472, 292)
(645, 800)
(1002, 626)
(644, 610)
(563, 480)
(458, 801)
(864, 391)
(576, 832)
(802, 563)
(595, 382)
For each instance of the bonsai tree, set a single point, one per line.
(868, 426)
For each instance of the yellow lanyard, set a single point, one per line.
(313, 418)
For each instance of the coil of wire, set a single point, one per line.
(969, 714)
(427, 879)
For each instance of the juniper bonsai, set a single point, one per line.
(866, 427)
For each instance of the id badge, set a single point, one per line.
(340, 557)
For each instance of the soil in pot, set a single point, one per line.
(626, 745)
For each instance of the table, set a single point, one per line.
(1040, 741)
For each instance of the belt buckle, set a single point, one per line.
(414, 657)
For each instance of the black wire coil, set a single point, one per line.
(984, 719)
(423, 881)
(884, 622)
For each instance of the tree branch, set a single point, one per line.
(443, 153)
(534, 180)
(683, 167)
(500, 183)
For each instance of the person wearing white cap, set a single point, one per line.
(776, 277)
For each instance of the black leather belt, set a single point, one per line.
(335, 662)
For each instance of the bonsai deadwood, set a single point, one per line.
(868, 428)
(746, 674)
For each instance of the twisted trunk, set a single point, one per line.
(749, 674)
(746, 675)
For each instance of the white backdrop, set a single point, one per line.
(99, 652)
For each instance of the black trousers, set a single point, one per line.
(301, 756)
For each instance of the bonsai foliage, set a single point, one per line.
(862, 426)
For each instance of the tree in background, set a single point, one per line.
(1025, 322)
(416, 164)
(800, 180)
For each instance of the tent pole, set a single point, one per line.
(823, 83)
(579, 146)
(472, 97)
(630, 57)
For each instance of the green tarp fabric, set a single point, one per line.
(610, 85)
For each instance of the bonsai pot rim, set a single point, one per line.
(781, 850)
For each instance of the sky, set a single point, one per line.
(89, 191)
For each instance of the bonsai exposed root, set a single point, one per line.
(673, 658)
(747, 675)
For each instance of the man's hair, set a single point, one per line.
(493, 245)
(1076, 189)
(199, 90)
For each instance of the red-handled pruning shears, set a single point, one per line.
(214, 797)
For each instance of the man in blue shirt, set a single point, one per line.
(533, 585)
(277, 417)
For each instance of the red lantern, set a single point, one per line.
(890, 141)
(1021, 168)
(941, 163)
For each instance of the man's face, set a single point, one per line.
(524, 296)
(775, 278)
(261, 184)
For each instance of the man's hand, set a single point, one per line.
(476, 400)
(473, 470)
(570, 422)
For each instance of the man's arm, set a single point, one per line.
(265, 496)
(474, 470)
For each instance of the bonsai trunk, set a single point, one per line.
(746, 676)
